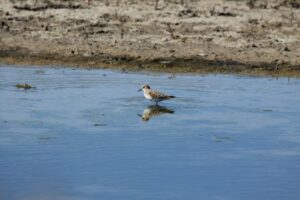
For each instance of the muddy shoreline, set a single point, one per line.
(197, 36)
(183, 66)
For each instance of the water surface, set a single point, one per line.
(88, 134)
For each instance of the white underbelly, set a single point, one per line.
(147, 96)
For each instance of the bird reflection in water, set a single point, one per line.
(152, 111)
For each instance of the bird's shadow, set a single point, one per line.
(154, 110)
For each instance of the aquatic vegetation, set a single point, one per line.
(24, 86)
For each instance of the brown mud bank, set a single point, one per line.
(252, 37)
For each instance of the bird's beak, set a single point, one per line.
(139, 89)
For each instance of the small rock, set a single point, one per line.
(267, 110)
(286, 49)
(99, 124)
(172, 76)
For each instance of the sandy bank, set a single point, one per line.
(197, 36)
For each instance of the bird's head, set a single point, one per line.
(144, 87)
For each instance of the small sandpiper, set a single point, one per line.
(153, 95)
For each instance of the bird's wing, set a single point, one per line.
(158, 95)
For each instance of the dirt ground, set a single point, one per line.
(230, 36)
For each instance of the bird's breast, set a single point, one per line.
(147, 96)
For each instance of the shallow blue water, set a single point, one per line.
(87, 134)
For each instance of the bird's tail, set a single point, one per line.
(171, 96)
